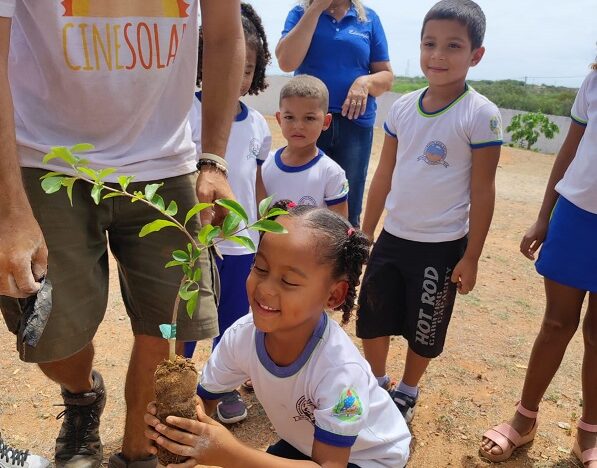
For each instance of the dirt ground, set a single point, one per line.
(473, 385)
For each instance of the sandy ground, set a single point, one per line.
(473, 385)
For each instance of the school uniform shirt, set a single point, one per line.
(320, 182)
(118, 75)
(249, 145)
(429, 199)
(579, 184)
(340, 52)
(328, 394)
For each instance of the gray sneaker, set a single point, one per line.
(405, 403)
(78, 444)
(231, 408)
(11, 457)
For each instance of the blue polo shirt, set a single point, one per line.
(340, 52)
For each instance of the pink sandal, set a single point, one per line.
(588, 455)
(508, 438)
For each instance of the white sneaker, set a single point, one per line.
(13, 458)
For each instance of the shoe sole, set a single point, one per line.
(232, 420)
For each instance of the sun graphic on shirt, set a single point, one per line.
(124, 8)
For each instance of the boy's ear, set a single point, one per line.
(327, 121)
(337, 294)
(279, 118)
(477, 56)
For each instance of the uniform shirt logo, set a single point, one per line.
(304, 408)
(307, 200)
(254, 148)
(435, 154)
(349, 407)
(495, 127)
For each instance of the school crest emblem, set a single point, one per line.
(349, 407)
(435, 153)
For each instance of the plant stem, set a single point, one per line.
(172, 341)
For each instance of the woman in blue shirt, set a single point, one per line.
(342, 43)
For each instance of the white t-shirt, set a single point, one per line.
(579, 184)
(105, 73)
(248, 146)
(430, 196)
(328, 393)
(320, 182)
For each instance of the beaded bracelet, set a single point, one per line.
(209, 162)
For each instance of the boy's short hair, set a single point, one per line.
(466, 12)
(306, 86)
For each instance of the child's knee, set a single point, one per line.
(559, 329)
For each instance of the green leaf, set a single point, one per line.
(230, 224)
(60, 152)
(204, 232)
(180, 256)
(124, 182)
(106, 172)
(158, 202)
(215, 232)
(82, 148)
(52, 184)
(88, 172)
(275, 212)
(52, 174)
(138, 196)
(192, 304)
(235, 207)
(172, 208)
(185, 292)
(267, 225)
(155, 226)
(244, 241)
(96, 193)
(151, 189)
(197, 275)
(113, 194)
(69, 182)
(187, 270)
(196, 209)
(264, 206)
(173, 263)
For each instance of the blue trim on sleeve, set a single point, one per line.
(333, 439)
(486, 144)
(385, 127)
(337, 201)
(578, 121)
(204, 394)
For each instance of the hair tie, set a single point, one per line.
(351, 232)
(291, 204)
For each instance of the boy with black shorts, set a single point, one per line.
(436, 176)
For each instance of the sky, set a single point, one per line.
(543, 41)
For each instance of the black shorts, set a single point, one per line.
(283, 449)
(407, 291)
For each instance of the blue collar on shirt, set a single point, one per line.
(292, 369)
(304, 167)
(242, 115)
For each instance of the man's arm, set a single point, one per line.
(23, 253)
(223, 62)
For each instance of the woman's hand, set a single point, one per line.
(355, 103)
(204, 441)
(320, 5)
(533, 239)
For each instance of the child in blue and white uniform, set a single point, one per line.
(315, 387)
(248, 146)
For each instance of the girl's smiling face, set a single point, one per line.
(288, 286)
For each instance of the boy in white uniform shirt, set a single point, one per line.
(301, 172)
(436, 170)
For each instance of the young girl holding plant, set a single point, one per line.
(248, 146)
(317, 390)
(566, 227)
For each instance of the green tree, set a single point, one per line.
(526, 128)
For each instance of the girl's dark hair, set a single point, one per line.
(256, 39)
(338, 244)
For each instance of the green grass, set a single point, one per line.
(509, 94)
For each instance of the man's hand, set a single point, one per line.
(212, 185)
(465, 275)
(23, 255)
(204, 441)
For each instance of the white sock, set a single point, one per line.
(407, 389)
(383, 381)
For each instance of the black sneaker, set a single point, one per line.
(11, 457)
(405, 403)
(78, 444)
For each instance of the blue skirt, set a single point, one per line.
(569, 253)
